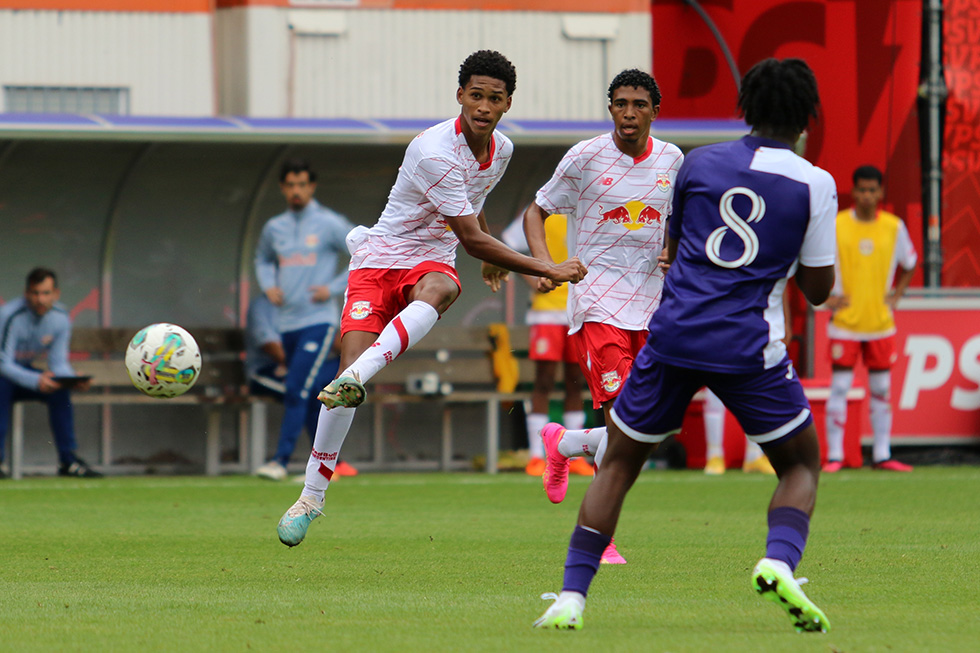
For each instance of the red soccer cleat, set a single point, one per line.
(832, 466)
(892, 465)
(344, 469)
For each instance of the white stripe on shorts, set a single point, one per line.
(782, 430)
(636, 435)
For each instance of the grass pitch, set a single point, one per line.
(456, 562)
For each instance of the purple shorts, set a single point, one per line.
(769, 404)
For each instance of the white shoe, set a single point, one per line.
(564, 614)
(272, 470)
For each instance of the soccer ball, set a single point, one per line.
(163, 360)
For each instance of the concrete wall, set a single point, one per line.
(164, 59)
(404, 64)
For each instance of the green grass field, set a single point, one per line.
(457, 562)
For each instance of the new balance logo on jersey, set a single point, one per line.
(606, 181)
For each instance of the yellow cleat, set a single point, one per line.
(715, 466)
(760, 465)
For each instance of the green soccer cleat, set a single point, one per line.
(564, 614)
(346, 391)
(293, 525)
(773, 580)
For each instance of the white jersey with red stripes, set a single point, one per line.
(617, 208)
(438, 177)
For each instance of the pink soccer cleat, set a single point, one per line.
(555, 477)
(892, 465)
(611, 556)
(832, 466)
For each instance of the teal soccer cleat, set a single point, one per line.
(293, 525)
(773, 580)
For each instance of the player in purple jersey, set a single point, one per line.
(748, 215)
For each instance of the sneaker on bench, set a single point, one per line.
(78, 469)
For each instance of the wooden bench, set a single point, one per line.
(458, 356)
(99, 352)
(462, 358)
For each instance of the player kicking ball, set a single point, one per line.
(402, 274)
(748, 215)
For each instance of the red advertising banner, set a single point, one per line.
(936, 381)
(865, 54)
(961, 155)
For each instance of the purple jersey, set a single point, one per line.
(746, 213)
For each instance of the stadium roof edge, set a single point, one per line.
(66, 126)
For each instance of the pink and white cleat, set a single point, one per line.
(555, 477)
(611, 556)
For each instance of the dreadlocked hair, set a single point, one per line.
(780, 95)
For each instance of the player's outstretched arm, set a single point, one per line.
(487, 248)
(815, 283)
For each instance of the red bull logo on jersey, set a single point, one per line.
(663, 181)
(611, 381)
(632, 215)
(360, 310)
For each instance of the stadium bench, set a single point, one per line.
(457, 356)
(99, 352)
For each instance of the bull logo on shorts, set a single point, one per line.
(632, 215)
(360, 310)
(611, 381)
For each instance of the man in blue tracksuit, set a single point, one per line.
(296, 264)
(37, 326)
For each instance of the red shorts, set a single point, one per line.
(550, 342)
(375, 296)
(878, 355)
(605, 354)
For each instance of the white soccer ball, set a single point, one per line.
(163, 360)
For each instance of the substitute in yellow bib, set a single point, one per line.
(549, 344)
(871, 246)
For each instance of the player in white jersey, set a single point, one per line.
(749, 214)
(616, 190)
(402, 276)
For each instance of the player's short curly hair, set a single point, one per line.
(637, 79)
(780, 95)
(491, 64)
